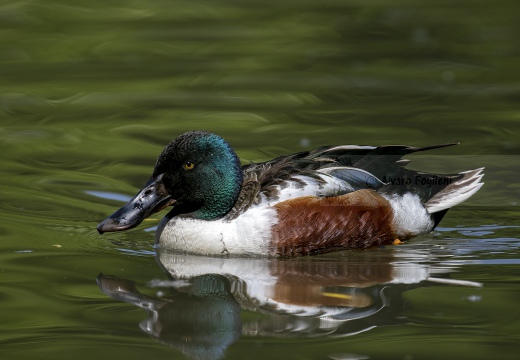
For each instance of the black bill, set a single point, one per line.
(152, 198)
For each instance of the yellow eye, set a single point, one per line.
(188, 165)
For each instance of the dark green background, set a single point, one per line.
(90, 92)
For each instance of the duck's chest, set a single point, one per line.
(248, 234)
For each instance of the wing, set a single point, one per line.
(325, 171)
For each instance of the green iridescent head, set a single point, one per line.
(202, 173)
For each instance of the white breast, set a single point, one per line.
(248, 234)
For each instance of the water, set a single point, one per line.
(91, 93)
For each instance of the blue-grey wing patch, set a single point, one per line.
(357, 178)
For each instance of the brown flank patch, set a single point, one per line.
(312, 225)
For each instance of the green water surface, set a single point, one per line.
(90, 93)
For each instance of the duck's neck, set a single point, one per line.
(221, 188)
(222, 195)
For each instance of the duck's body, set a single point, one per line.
(327, 199)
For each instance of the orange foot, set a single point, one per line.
(397, 242)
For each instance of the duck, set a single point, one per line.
(331, 198)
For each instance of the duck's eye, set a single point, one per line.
(188, 165)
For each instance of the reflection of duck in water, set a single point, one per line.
(210, 302)
(201, 320)
(327, 199)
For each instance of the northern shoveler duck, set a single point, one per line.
(327, 199)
